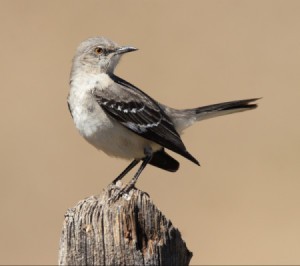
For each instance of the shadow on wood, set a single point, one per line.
(129, 231)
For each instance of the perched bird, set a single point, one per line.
(118, 118)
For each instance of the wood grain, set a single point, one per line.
(129, 231)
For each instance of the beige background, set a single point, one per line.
(241, 206)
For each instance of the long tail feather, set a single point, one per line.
(185, 118)
(225, 108)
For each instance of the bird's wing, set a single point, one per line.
(141, 114)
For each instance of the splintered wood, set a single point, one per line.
(129, 231)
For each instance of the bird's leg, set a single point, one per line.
(132, 182)
(127, 169)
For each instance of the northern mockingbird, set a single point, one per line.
(118, 118)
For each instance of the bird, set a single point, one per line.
(125, 122)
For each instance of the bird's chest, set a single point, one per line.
(88, 116)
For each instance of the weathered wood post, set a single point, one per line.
(129, 231)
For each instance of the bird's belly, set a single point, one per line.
(110, 136)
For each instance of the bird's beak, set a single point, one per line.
(125, 49)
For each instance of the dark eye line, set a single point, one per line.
(109, 51)
(103, 51)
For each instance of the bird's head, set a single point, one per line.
(99, 55)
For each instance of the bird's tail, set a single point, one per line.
(219, 109)
(185, 118)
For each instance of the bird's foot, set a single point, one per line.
(121, 192)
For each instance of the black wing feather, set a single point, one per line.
(141, 114)
(164, 161)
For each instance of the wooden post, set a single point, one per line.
(130, 231)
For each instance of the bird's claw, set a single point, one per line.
(118, 193)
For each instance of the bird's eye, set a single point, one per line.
(98, 50)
